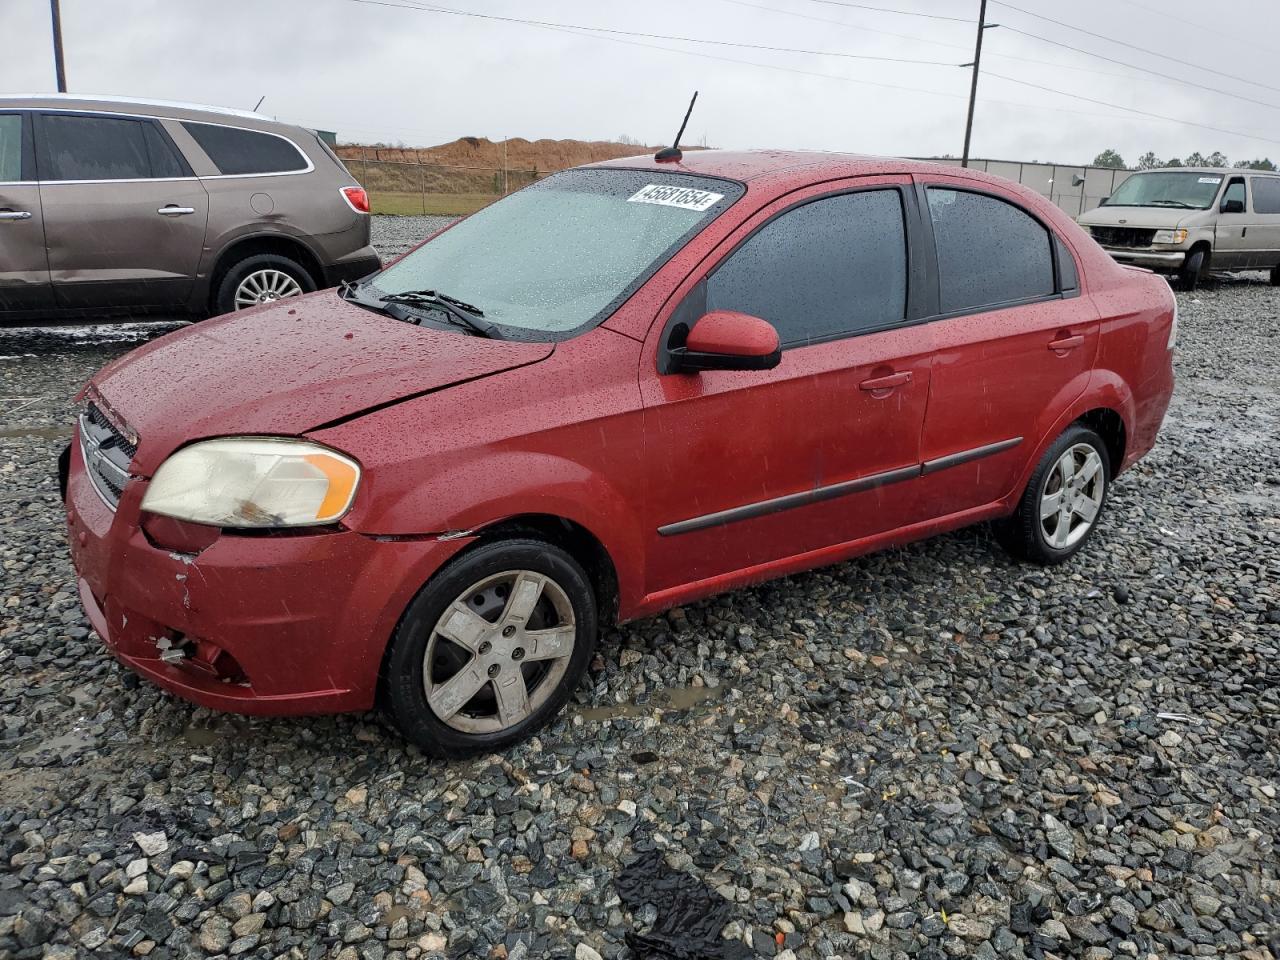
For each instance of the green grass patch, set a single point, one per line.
(436, 204)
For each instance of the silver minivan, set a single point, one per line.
(115, 206)
(1189, 220)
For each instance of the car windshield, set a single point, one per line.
(1166, 189)
(557, 257)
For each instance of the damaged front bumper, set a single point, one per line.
(262, 624)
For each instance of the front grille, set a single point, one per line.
(1123, 236)
(107, 454)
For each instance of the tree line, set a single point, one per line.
(1149, 161)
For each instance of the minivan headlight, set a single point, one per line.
(254, 482)
(1170, 236)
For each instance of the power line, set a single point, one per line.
(1165, 15)
(967, 50)
(902, 13)
(654, 36)
(1132, 46)
(1154, 73)
(595, 33)
(1134, 110)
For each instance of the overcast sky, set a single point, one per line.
(376, 73)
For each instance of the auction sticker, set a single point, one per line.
(684, 197)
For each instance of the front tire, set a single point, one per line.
(1192, 269)
(261, 278)
(491, 648)
(1275, 276)
(1060, 509)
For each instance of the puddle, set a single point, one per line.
(59, 748)
(220, 732)
(668, 699)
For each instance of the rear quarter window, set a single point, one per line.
(238, 152)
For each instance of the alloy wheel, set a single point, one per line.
(264, 286)
(1072, 496)
(498, 651)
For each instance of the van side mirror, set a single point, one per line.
(1233, 206)
(725, 340)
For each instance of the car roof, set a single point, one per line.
(129, 105)
(805, 165)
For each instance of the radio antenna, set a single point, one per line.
(672, 153)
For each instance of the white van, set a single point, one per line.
(1188, 220)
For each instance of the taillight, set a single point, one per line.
(356, 199)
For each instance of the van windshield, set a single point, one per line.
(1167, 189)
(558, 257)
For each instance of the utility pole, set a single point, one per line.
(57, 46)
(983, 27)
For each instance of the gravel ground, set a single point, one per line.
(929, 752)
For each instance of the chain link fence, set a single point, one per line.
(409, 186)
(399, 183)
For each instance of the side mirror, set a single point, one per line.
(1233, 206)
(726, 340)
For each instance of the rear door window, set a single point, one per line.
(1266, 194)
(10, 147)
(830, 267)
(166, 162)
(80, 147)
(238, 152)
(990, 252)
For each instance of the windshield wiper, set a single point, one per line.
(458, 312)
(1172, 203)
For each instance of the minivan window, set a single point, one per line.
(239, 152)
(78, 147)
(1266, 195)
(10, 147)
(1193, 191)
(829, 267)
(989, 251)
(560, 255)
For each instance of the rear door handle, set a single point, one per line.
(175, 211)
(1067, 343)
(886, 383)
(15, 214)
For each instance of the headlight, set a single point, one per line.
(1170, 236)
(254, 482)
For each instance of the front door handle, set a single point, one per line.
(15, 214)
(886, 383)
(1063, 344)
(175, 211)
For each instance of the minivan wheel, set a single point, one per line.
(491, 648)
(1190, 271)
(1275, 276)
(261, 278)
(1063, 502)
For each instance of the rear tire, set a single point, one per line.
(1275, 276)
(260, 278)
(491, 648)
(1062, 505)
(1192, 269)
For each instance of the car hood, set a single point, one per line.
(284, 369)
(1144, 218)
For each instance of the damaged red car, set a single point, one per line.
(624, 388)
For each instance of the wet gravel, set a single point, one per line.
(930, 752)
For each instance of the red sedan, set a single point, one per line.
(626, 387)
